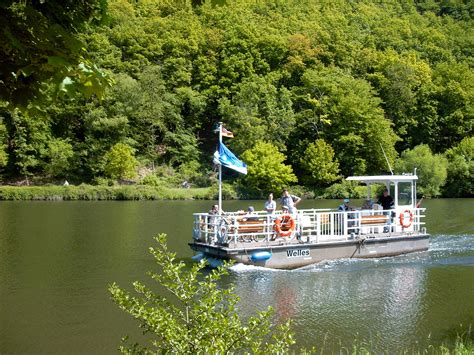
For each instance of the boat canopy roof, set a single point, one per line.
(383, 178)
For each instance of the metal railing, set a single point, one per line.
(311, 225)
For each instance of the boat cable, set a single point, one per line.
(360, 243)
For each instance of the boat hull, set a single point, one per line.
(294, 255)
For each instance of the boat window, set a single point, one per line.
(404, 194)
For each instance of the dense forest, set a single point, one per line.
(313, 91)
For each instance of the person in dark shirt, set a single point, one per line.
(386, 200)
(345, 206)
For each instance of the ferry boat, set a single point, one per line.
(286, 241)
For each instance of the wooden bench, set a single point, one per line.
(378, 219)
(325, 218)
(251, 225)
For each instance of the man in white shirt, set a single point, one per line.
(270, 205)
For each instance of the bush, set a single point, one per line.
(229, 192)
(301, 191)
(196, 316)
(102, 181)
(349, 189)
(151, 180)
(89, 192)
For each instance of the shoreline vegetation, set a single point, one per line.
(85, 192)
(163, 189)
(130, 192)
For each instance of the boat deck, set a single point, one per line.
(278, 242)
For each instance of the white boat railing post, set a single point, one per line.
(317, 218)
(345, 218)
(331, 221)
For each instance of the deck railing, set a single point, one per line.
(315, 225)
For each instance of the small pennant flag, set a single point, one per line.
(225, 157)
(226, 133)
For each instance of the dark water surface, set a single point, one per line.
(56, 259)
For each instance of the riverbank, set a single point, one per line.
(102, 193)
(85, 192)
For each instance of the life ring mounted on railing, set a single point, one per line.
(403, 223)
(284, 225)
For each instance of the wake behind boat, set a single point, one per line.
(309, 236)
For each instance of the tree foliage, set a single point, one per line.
(460, 180)
(195, 315)
(319, 164)
(120, 163)
(359, 75)
(39, 44)
(431, 169)
(267, 171)
(58, 156)
(345, 112)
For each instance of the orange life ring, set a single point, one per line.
(285, 225)
(402, 219)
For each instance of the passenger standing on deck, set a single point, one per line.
(387, 203)
(270, 205)
(350, 216)
(213, 212)
(214, 209)
(386, 200)
(290, 200)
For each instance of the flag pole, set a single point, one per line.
(220, 171)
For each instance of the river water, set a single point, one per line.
(57, 258)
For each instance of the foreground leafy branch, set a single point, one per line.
(195, 315)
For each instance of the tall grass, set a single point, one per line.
(90, 192)
(462, 345)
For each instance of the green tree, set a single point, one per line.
(431, 169)
(195, 316)
(460, 181)
(266, 169)
(403, 82)
(319, 164)
(455, 98)
(28, 136)
(346, 113)
(259, 111)
(358, 74)
(58, 157)
(120, 163)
